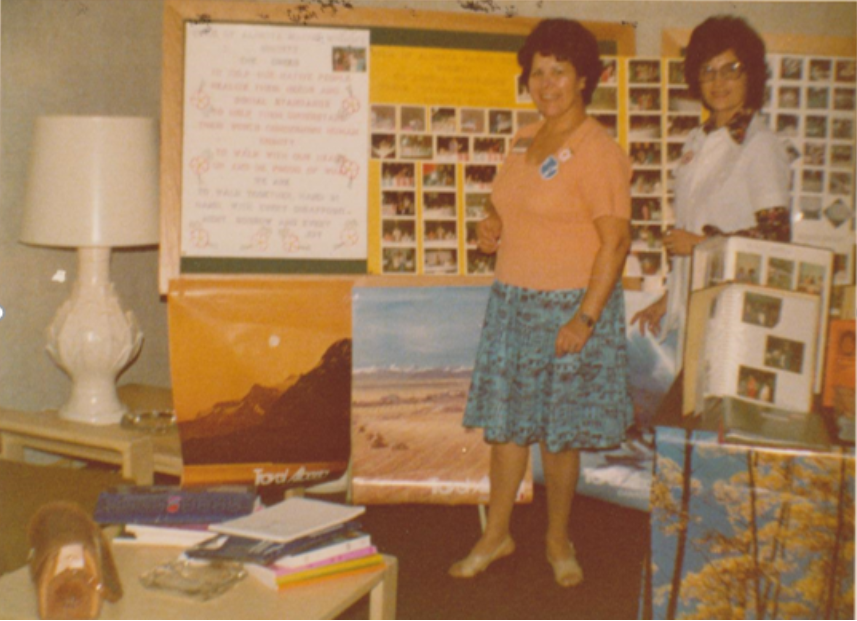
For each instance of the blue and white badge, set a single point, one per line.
(549, 168)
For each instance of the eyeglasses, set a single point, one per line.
(729, 71)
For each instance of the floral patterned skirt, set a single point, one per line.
(522, 392)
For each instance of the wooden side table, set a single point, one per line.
(139, 454)
(249, 599)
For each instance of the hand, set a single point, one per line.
(571, 338)
(650, 317)
(681, 242)
(488, 233)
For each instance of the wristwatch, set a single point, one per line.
(588, 321)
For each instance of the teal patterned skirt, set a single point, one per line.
(522, 392)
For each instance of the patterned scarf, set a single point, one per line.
(737, 125)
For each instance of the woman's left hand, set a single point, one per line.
(571, 338)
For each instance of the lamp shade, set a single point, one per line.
(92, 182)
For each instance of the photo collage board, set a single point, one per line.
(437, 163)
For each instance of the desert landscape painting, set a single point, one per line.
(413, 356)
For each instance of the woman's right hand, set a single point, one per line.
(488, 233)
(650, 317)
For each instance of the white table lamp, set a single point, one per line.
(93, 185)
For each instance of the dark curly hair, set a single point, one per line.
(567, 40)
(715, 36)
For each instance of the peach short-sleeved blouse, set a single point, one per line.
(549, 239)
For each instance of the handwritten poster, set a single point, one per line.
(274, 148)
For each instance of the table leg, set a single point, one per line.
(382, 598)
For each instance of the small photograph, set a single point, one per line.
(646, 153)
(644, 71)
(439, 205)
(680, 126)
(846, 70)
(820, 70)
(479, 178)
(789, 97)
(841, 155)
(791, 68)
(844, 99)
(649, 262)
(646, 238)
(714, 274)
(480, 263)
(440, 232)
(609, 122)
(841, 183)
(472, 121)
(472, 237)
(674, 151)
(812, 181)
(748, 267)
(757, 384)
(443, 120)
(439, 175)
(792, 151)
(784, 354)
(781, 273)
(604, 98)
(397, 175)
(841, 269)
(415, 147)
(453, 148)
(398, 204)
(842, 129)
(761, 310)
(681, 101)
(646, 209)
(645, 182)
(788, 125)
(816, 127)
(814, 153)
(839, 213)
(609, 73)
(383, 118)
(675, 68)
(489, 149)
(500, 122)
(644, 100)
(413, 119)
(399, 260)
(526, 117)
(810, 207)
(398, 231)
(441, 261)
(476, 205)
(522, 91)
(810, 277)
(817, 98)
(349, 59)
(644, 127)
(383, 146)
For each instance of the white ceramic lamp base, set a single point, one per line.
(93, 340)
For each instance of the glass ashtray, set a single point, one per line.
(153, 421)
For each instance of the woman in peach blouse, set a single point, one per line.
(552, 365)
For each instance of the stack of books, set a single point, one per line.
(294, 542)
(169, 515)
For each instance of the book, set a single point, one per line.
(260, 551)
(276, 571)
(772, 264)
(274, 581)
(149, 534)
(344, 543)
(742, 422)
(167, 504)
(753, 343)
(290, 519)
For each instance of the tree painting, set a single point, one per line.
(741, 532)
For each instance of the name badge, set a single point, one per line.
(549, 168)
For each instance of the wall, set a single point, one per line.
(104, 57)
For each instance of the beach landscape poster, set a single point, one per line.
(413, 356)
(262, 380)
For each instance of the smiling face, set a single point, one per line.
(556, 88)
(724, 96)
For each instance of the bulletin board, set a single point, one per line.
(273, 106)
